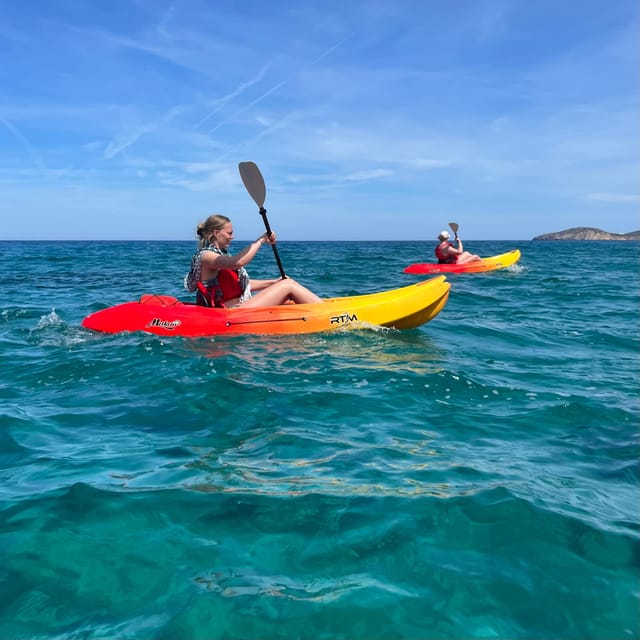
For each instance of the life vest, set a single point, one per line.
(226, 285)
(449, 258)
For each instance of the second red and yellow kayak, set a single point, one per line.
(485, 264)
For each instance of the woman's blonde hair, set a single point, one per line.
(205, 229)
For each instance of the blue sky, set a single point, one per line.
(369, 119)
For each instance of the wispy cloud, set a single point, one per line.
(278, 85)
(212, 177)
(29, 148)
(130, 137)
(247, 107)
(615, 198)
(367, 176)
(165, 20)
(239, 90)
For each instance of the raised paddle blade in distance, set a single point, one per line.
(454, 227)
(253, 182)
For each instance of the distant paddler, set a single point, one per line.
(448, 253)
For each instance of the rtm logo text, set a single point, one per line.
(345, 318)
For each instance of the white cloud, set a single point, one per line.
(364, 176)
(616, 198)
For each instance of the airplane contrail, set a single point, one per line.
(236, 92)
(35, 156)
(117, 146)
(274, 88)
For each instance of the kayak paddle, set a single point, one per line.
(254, 184)
(454, 228)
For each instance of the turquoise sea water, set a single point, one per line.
(474, 478)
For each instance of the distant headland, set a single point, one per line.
(588, 233)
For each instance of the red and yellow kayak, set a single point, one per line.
(485, 264)
(403, 308)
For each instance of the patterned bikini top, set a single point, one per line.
(194, 276)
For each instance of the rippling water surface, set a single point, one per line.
(474, 478)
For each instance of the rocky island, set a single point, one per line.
(588, 233)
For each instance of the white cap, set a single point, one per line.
(443, 235)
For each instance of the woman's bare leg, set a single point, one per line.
(280, 292)
(467, 257)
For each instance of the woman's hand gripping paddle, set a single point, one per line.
(254, 184)
(454, 228)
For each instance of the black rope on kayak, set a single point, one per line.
(229, 323)
(159, 299)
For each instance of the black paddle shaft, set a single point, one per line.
(263, 213)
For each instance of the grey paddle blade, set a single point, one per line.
(454, 227)
(253, 182)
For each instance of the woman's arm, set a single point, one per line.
(450, 249)
(455, 251)
(215, 261)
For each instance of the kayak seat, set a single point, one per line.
(203, 297)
